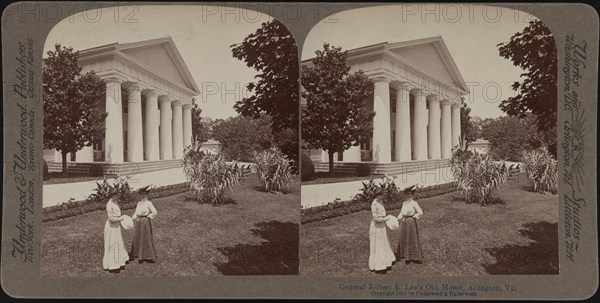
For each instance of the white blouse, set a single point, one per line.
(410, 209)
(144, 208)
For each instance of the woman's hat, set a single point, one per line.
(144, 190)
(411, 189)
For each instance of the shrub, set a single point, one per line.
(45, 175)
(340, 208)
(73, 208)
(209, 176)
(363, 170)
(273, 170)
(121, 185)
(96, 170)
(391, 193)
(477, 176)
(308, 168)
(541, 170)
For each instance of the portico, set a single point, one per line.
(149, 93)
(416, 100)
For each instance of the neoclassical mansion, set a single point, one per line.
(417, 99)
(149, 92)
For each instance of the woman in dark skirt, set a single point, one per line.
(409, 246)
(142, 247)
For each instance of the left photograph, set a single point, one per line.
(170, 144)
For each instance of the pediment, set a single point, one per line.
(432, 56)
(162, 56)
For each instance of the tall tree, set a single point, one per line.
(468, 132)
(272, 51)
(200, 129)
(242, 136)
(533, 50)
(72, 115)
(335, 116)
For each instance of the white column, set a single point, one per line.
(420, 126)
(446, 130)
(177, 130)
(187, 125)
(455, 124)
(86, 154)
(113, 145)
(381, 122)
(403, 123)
(352, 154)
(166, 145)
(151, 140)
(135, 148)
(433, 134)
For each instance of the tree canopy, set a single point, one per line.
(200, 129)
(468, 132)
(72, 115)
(511, 136)
(272, 51)
(242, 136)
(335, 116)
(534, 51)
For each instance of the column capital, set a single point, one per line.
(456, 105)
(132, 86)
(188, 106)
(445, 102)
(433, 98)
(401, 85)
(112, 80)
(177, 103)
(381, 79)
(150, 93)
(165, 98)
(418, 91)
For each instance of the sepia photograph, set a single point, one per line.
(429, 144)
(170, 144)
(296, 150)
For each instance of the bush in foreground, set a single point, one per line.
(541, 170)
(273, 170)
(210, 176)
(477, 176)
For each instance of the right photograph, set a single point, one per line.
(429, 143)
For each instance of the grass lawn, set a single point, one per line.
(324, 177)
(517, 235)
(255, 234)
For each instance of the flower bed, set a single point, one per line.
(73, 208)
(340, 208)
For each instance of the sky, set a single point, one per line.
(202, 34)
(471, 33)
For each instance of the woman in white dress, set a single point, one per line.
(142, 247)
(381, 256)
(409, 245)
(115, 253)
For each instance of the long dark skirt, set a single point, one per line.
(142, 247)
(409, 246)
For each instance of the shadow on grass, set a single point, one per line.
(278, 255)
(194, 199)
(537, 258)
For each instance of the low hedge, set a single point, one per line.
(341, 208)
(74, 208)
